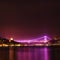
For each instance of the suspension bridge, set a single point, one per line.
(40, 39)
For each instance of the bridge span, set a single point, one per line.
(40, 39)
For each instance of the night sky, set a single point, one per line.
(29, 19)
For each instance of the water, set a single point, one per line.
(29, 53)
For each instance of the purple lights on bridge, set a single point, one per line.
(45, 39)
(41, 39)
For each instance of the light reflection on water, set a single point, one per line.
(32, 53)
(29, 53)
(11, 53)
(46, 54)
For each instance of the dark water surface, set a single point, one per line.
(29, 53)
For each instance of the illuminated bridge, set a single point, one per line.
(40, 39)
